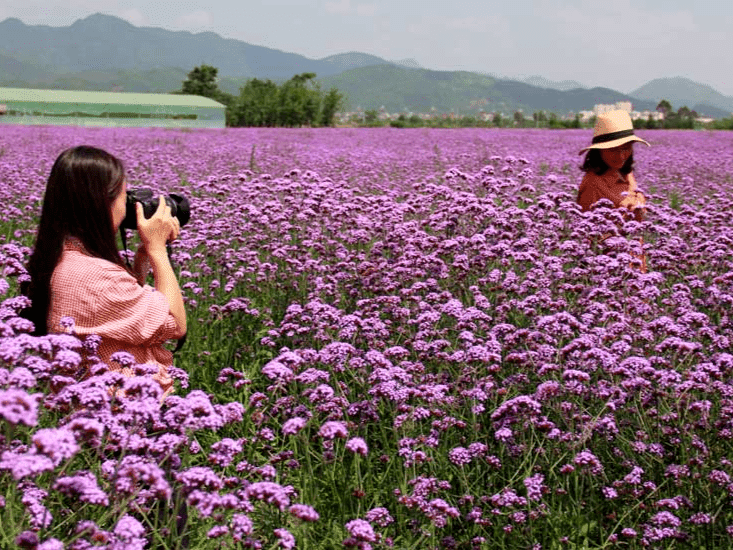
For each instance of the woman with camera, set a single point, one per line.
(76, 270)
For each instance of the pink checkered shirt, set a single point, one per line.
(105, 300)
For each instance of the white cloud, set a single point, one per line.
(100, 6)
(461, 43)
(345, 7)
(135, 17)
(618, 26)
(341, 7)
(429, 25)
(476, 24)
(194, 21)
(366, 10)
(620, 45)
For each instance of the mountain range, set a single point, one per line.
(103, 52)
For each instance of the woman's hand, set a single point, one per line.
(632, 200)
(159, 229)
(635, 202)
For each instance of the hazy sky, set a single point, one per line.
(620, 44)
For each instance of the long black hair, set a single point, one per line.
(83, 184)
(594, 163)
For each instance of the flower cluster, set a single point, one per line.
(395, 337)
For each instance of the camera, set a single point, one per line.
(180, 207)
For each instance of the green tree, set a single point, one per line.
(664, 107)
(332, 103)
(202, 81)
(257, 104)
(685, 117)
(370, 116)
(299, 101)
(519, 119)
(467, 121)
(553, 121)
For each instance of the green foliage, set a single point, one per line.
(664, 107)
(723, 124)
(332, 103)
(299, 101)
(257, 104)
(203, 81)
(684, 118)
(296, 102)
(371, 116)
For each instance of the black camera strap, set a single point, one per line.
(123, 236)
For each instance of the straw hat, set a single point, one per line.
(613, 128)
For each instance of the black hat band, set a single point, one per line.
(613, 135)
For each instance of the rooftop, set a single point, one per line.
(106, 98)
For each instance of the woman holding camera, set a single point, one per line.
(76, 270)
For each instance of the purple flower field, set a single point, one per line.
(397, 339)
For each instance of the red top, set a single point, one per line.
(104, 299)
(612, 185)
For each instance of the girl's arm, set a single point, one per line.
(155, 232)
(141, 265)
(635, 200)
(588, 193)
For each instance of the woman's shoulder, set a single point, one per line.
(608, 174)
(590, 180)
(77, 264)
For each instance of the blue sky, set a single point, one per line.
(620, 44)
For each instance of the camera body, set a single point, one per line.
(180, 208)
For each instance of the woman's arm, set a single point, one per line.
(155, 232)
(141, 265)
(589, 192)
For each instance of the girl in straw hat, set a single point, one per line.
(608, 167)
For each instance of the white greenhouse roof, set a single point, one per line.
(109, 98)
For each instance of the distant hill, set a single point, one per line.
(542, 82)
(680, 91)
(410, 63)
(351, 60)
(102, 52)
(399, 89)
(106, 43)
(709, 111)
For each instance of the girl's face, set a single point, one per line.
(616, 157)
(119, 206)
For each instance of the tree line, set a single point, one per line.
(301, 102)
(682, 118)
(538, 119)
(293, 103)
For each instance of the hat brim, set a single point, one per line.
(614, 143)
